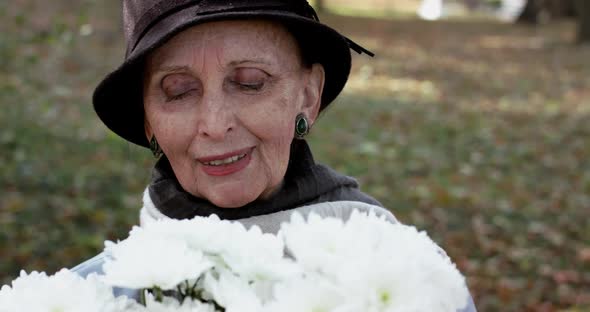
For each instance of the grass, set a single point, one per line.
(472, 130)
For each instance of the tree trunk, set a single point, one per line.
(561, 8)
(319, 6)
(471, 4)
(530, 13)
(536, 11)
(583, 7)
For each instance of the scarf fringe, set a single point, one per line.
(270, 223)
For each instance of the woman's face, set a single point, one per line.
(221, 98)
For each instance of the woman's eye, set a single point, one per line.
(178, 86)
(251, 86)
(170, 98)
(249, 79)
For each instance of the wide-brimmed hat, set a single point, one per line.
(148, 24)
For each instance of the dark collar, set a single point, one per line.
(304, 181)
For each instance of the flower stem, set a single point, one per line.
(142, 299)
(159, 294)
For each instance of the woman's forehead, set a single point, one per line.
(229, 42)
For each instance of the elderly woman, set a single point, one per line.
(223, 93)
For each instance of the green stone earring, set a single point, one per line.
(301, 126)
(155, 147)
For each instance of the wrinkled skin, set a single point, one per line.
(226, 88)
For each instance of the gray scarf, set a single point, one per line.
(305, 182)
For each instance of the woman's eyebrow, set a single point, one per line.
(173, 68)
(185, 68)
(250, 61)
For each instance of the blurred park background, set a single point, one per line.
(472, 123)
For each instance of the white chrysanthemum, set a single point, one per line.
(308, 294)
(64, 292)
(258, 256)
(146, 260)
(250, 253)
(318, 244)
(172, 305)
(379, 266)
(406, 270)
(231, 292)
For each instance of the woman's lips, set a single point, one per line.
(226, 164)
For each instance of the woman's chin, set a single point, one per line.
(230, 200)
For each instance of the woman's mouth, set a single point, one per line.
(226, 164)
(226, 161)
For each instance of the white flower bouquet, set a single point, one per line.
(209, 265)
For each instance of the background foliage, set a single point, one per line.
(473, 130)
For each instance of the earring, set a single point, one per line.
(301, 126)
(155, 147)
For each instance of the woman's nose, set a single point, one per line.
(215, 119)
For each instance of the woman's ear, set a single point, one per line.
(313, 92)
(148, 129)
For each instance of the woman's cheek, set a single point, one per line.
(173, 131)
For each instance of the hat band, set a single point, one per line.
(166, 8)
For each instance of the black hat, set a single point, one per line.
(148, 24)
